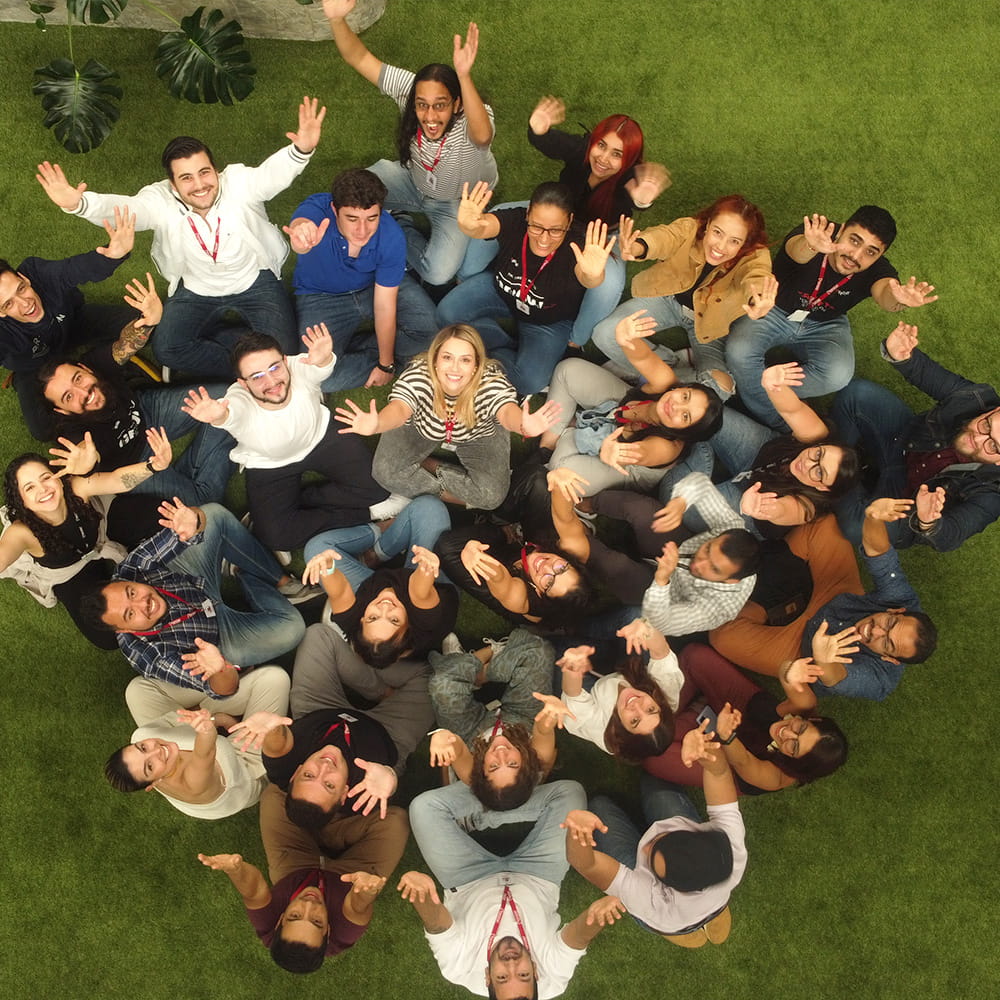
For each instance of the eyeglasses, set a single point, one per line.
(270, 370)
(991, 445)
(554, 231)
(546, 580)
(439, 106)
(788, 746)
(815, 469)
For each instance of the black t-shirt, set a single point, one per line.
(797, 282)
(353, 733)
(428, 626)
(552, 292)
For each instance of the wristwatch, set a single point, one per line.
(389, 369)
(149, 466)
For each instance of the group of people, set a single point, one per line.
(740, 504)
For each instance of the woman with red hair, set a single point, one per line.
(711, 270)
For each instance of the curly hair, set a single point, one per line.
(636, 747)
(357, 188)
(48, 535)
(567, 608)
(529, 774)
(296, 956)
(408, 123)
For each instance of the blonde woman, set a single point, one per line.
(455, 399)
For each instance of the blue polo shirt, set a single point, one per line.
(329, 269)
(868, 675)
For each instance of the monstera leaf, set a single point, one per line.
(96, 11)
(81, 106)
(41, 8)
(206, 63)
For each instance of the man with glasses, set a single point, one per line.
(947, 458)
(275, 411)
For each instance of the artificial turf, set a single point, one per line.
(877, 882)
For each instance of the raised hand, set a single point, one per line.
(59, 190)
(834, 648)
(304, 234)
(605, 911)
(618, 453)
(901, 343)
(627, 235)
(336, 10)
(762, 298)
(576, 660)
(913, 294)
(180, 518)
(596, 247)
(669, 518)
(650, 181)
(729, 720)
(416, 887)
(146, 300)
(533, 424)
(481, 567)
(76, 458)
(888, 509)
(567, 483)
(581, 824)
(357, 421)
(666, 563)
(776, 377)
(319, 344)
(637, 635)
(554, 711)
(465, 53)
(818, 231)
(364, 883)
(374, 789)
(473, 204)
(205, 662)
(310, 125)
(200, 406)
(760, 506)
(800, 673)
(251, 731)
(121, 234)
(548, 111)
(425, 561)
(199, 719)
(221, 862)
(159, 444)
(322, 564)
(698, 745)
(444, 748)
(634, 327)
(930, 503)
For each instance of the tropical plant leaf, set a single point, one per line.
(41, 8)
(81, 106)
(96, 11)
(206, 63)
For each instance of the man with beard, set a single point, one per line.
(283, 430)
(93, 395)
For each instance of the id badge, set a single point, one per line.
(798, 316)
(523, 307)
(208, 607)
(448, 446)
(432, 181)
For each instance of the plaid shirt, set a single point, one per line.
(158, 656)
(688, 603)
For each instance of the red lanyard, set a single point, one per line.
(507, 897)
(214, 252)
(525, 288)
(815, 301)
(437, 159)
(175, 621)
(621, 417)
(335, 727)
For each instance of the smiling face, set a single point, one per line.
(980, 438)
(265, 376)
(40, 490)
(511, 970)
(682, 407)
(817, 466)
(18, 299)
(195, 180)
(547, 228)
(435, 108)
(794, 736)
(605, 157)
(636, 711)
(76, 389)
(502, 762)
(305, 919)
(857, 250)
(132, 607)
(724, 238)
(150, 760)
(551, 575)
(455, 365)
(357, 225)
(385, 618)
(322, 778)
(711, 563)
(891, 634)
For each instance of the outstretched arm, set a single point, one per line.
(601, 913)
(893, 296)
(352, 50)
(597, 868)
(420, 890)
(564, 486)
(359, 903)
(322, 569)
(246, 878)
(480, 127)
(804, 422)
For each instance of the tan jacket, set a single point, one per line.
(720, 298)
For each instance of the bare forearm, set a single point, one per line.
(874, 537)
(225, 682)
(130, 341)
(434, 916)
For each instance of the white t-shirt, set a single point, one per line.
(270, 439)
(460, 951)
(593, 709)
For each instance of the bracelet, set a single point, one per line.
(389, 369)
(149, 466)
(725, 743)
(645, 248)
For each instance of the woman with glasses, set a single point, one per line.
(537, 280)
(770, 745)
(780, 480)
(443, 142)
(452, 399)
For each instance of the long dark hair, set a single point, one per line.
(48, 535)
(636, 747)
(824, 758)
(557, 611)
(627, 129)
(408, 124)
(700, 430)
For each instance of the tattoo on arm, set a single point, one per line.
(132, 479)
(130, 341)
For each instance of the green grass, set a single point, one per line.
(878, 882)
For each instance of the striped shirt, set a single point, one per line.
(461, 160)
(414, 389)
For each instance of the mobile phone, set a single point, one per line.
(713, 720)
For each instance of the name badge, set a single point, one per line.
(523, 306)
(448, 446)
(505, 878)
(208, 607)
(432, 181)
(798, 316)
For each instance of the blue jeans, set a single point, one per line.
(668, 313)
(824, 347)
(436, 260)
(192, 338)
(871, 416)
(440, 817)
(272, 626)
(739, 439)
(357, 353)
(200, 475)
(421, 522)
(530, 359)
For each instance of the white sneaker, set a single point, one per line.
(451, 644)
(392, 505)
(496, 645)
